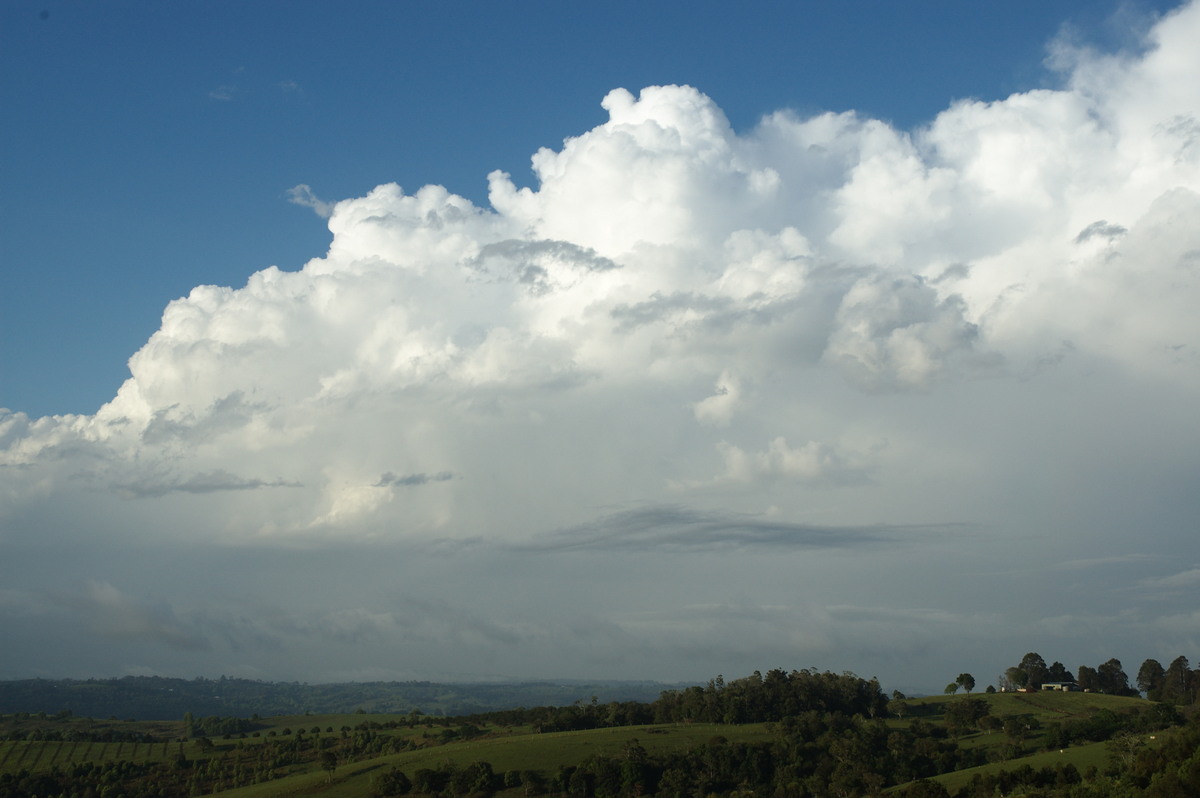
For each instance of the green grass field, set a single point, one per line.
(1082, 756)
(544, 752)
(505, 748)
(432, 743)
(1045, 706)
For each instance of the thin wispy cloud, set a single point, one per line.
(412, 480)
(303, 196)
(1181, 581)
(1101, 562)
(209, 482)
(680, 529)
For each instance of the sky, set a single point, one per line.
(487, 341)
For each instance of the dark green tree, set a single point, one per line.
(1014, 678)
(1123, 747)
(964, 715)
(394, 782)
(1036, 672)
(966, 681)
(329, 764)
(1014, 728)
(533, 782)
(925, 788)
(1113, 680)
(1150, 679)
(1177, 682)
(1059, 673)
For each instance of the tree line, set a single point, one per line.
(832, 755)
(1177, 684)
(829, 738)
(758, 698)
(814, 753)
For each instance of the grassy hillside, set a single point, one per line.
(518, 751)
(505, 748)
(1046, 705)
(817, 749)
(1049, 710)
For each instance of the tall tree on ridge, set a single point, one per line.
(1150, 679)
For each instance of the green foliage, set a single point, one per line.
(965, 715)
(1180, 685)
(217, 726)
(924, 788)
(771, 697)
(392, 783)
(814, 734)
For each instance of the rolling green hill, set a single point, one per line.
(798, 734)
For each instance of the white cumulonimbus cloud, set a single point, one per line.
(675, 312)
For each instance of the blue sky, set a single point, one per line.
(471, 341)
(152, 144)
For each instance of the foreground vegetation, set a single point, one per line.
(777, 734)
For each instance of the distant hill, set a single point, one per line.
(158, 698)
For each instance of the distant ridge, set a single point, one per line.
(160, 698)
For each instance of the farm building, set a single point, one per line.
(1067, 687)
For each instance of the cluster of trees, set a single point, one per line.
(1023, 780)
(574, 717)
(1170, 769)
(964, 680)
(967, 715)
(450, 779)
(829, 739)
(172, 774)
(758, 698)
(778, 694)
(129, 779)
(1032, 672)
(74, 735)
(216, 726)
(827, 754)
(1106, 724)
(814, 753)
(1177, 683)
